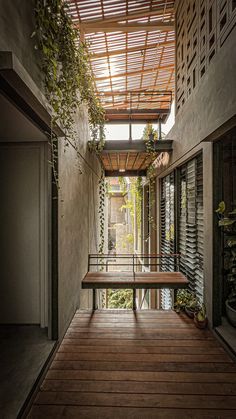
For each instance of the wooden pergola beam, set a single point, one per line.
(135, 111)
(122, 17)
(129, 173)
(128, 27)
(136, 92)
(140, 48)
(135, 73)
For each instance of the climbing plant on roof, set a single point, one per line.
(68, 78)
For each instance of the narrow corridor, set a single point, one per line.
(149, 364)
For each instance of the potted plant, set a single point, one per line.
(186, 301)
(200, 318)
(192, 306)
(183, 297)
(228, 225)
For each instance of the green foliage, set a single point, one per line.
(123, 184)
(152, 195)
(101, 212)
(201, 314)
(221, 208)
(134, 203)
(120, 298)
(150, 136)
(137, 196)
(187, 299)
(68, 79)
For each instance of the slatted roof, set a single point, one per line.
(132, 52)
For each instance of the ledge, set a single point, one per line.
(138, 146)
(17, 85)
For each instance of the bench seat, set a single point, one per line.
(138, 280)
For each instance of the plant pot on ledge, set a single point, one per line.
(231, 312)
(200, 318)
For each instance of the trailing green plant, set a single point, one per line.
(123, 185)
(138, 192)
(134, 203)
(68, 78)
(101, 213)
(150, 137)
(152, 195)
(227, 222)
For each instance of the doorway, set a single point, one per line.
(224, 190)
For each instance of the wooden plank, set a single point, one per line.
(124, 326)
(127, 319)
(97, 55)
(128, 27)
(137, 365)
(145, 280)
(135, 73)
(134, 349)
(161, 334)
(113, 366)
(178, 376)
(139, 387)
(127, 16)
(132, 357)
(136, 400)
(79, 412)
(142, 342)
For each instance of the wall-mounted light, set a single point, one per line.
(122, 170)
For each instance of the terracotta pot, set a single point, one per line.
(201, 324)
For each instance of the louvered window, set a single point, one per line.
(191, 223)
(167, 232)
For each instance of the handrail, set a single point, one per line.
(104, 259)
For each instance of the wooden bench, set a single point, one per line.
(133, 280)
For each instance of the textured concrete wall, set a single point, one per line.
(78, 192)
(78, 223)
(16, 26)
(211, 105)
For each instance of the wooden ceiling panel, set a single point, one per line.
(124, 54)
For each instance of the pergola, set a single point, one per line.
(132, 57)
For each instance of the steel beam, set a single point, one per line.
(118, 146)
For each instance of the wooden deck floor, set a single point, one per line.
(154, 364)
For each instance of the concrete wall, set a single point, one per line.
(78, 193)
(17, 26)
(78, 222)
(212, 104)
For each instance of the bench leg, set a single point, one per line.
(94, 300)
(134, 299)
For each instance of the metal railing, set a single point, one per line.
(101, 261)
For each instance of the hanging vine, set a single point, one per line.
(101, 212)
(150, 137)
(152, 196)
(68, 79)
(134, 203)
